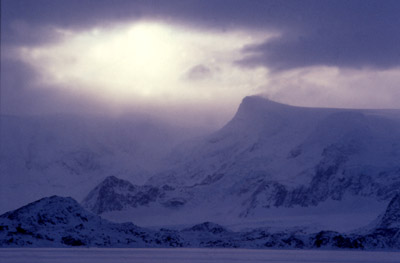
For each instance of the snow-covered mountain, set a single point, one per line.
(59, 221)
(69, 155)
(273, 162)
(272, 165)
(114, 194)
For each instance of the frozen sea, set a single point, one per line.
(95, 255)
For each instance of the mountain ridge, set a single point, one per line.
(272, 155)
(61, 222)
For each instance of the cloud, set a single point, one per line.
(20, 94)
(351, 33)
(335, 88)
(136, 67)
(341, 48)
(335, 53)
(198, 72)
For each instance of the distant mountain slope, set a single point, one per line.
(272, 155)
(68, 155)
(59, 221)
(115, 194)
(391, 217)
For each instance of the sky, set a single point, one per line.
(193, 61)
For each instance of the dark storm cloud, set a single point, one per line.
(344, 33)
(351, 34)
(18, 94)
(29, 21)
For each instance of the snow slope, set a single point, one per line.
(272, 161)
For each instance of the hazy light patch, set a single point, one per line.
(147, 64)
(335, 87)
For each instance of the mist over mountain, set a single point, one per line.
(124, 124)
(70, 154)
(275, 164)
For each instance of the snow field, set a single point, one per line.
(88, 255)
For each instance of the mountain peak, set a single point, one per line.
(107, 194)
(259, 111)
(207, 227)
(258, 106)
(50, 211)
(257, 102)
(56, 201)
(113, 181)
(114, 194)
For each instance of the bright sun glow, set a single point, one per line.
(144, 62)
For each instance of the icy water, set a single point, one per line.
(95, 255)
